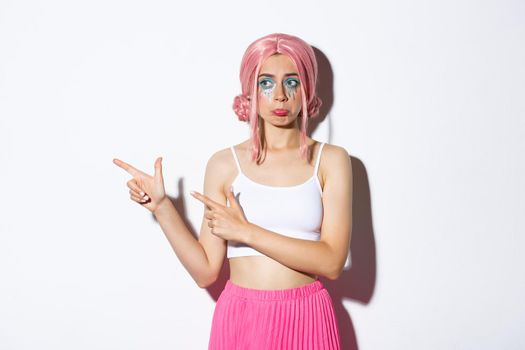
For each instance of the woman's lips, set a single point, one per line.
(280, 112)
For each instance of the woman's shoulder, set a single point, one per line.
(334, 159)
(222, 162)
(224, 155)
(336, 166)
(332, 150)
(220, 158)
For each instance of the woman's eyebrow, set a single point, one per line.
(273, 76)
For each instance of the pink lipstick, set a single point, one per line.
(280, 112)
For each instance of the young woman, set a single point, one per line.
(277, 205)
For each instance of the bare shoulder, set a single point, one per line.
(220, 160)
(335, 162)
(331, 151)
(220, 168)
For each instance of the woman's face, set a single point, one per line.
(279, 91)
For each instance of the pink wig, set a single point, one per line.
(302, 55)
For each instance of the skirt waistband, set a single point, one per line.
(273, 294)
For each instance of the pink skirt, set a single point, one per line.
(257, 319)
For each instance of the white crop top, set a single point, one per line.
(294, 211)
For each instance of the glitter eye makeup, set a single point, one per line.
(292, 82)
(291, 85)
(267, 87)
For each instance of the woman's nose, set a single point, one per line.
(279, 92)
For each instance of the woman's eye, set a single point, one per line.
(266, 83)
(292, 82)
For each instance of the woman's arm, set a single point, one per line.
(327, 256)
(202, 258)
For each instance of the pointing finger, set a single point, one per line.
(129, 168)
(209, 202)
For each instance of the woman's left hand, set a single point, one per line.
(228, 223)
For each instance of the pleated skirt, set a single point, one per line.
(301, 318)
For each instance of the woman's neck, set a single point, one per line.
(279, 139)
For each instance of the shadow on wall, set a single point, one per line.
(358, 282)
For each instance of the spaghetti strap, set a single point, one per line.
(236, 159)
(318, 159)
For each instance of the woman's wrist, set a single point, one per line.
(247, 234)
(162, 206)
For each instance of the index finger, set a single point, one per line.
(129, 168)
(206, 200)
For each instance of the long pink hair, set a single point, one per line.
(245, 104)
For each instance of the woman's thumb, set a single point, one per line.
(232, 199)
(158, 168)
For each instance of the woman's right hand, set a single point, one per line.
(145, 189)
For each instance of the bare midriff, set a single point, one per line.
(262, 272)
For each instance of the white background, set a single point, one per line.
(428, 97)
